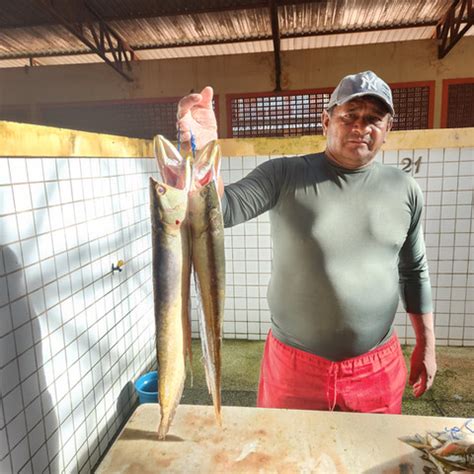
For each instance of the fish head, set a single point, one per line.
(207, 165)
(171, 163)
(169, 203)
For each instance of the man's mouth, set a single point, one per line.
(365, 139)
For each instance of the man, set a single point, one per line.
(347, 238)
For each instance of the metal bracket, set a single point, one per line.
(33, 62)
(118, 266)
(276, 43)
(86, 25)
(448, 29)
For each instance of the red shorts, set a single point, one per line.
(370, 383)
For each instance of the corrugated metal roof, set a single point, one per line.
(350, 39)
(39, 41)
(354, 14)
(190, 28)
(199, 28)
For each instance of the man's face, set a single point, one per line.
(356, 131)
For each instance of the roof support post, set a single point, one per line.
(448, 29)
(86, 25)
(276, 43)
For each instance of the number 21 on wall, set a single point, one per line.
(409, 164)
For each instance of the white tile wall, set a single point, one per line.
(447, 224)
(73, 335)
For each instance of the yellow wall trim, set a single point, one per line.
(405, 140)
(17, 139)
(20, 139)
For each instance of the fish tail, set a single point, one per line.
(168, 413)
(163, 428)
(217, 407)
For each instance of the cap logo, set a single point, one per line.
(369, 83)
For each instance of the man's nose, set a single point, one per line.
(361, 124)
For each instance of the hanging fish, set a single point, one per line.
(208, 257)
(171, 278)
(187, 229)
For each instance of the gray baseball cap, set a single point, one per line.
(359, 85)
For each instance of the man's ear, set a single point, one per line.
(325, 121)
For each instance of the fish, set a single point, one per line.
(187, 234)
(171, 263)
(208, 258)
(450, 450)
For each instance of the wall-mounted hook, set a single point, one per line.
(118, 267)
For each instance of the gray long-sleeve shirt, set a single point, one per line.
(345, 243)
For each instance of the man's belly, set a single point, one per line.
(336, 314)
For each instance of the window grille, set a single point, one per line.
(138, 119)
(276, 115)
(459, 108)
(299, 113)
(413, 104)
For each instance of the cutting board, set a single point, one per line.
(269, 441)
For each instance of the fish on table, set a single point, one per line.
(448, 451)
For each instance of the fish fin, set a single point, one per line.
(191, 375)
(190, 348)
(206, 356)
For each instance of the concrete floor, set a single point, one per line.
(451, 395)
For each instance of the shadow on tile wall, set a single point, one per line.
(31, 427)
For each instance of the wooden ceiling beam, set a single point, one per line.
(81, 20)
(449, 29)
